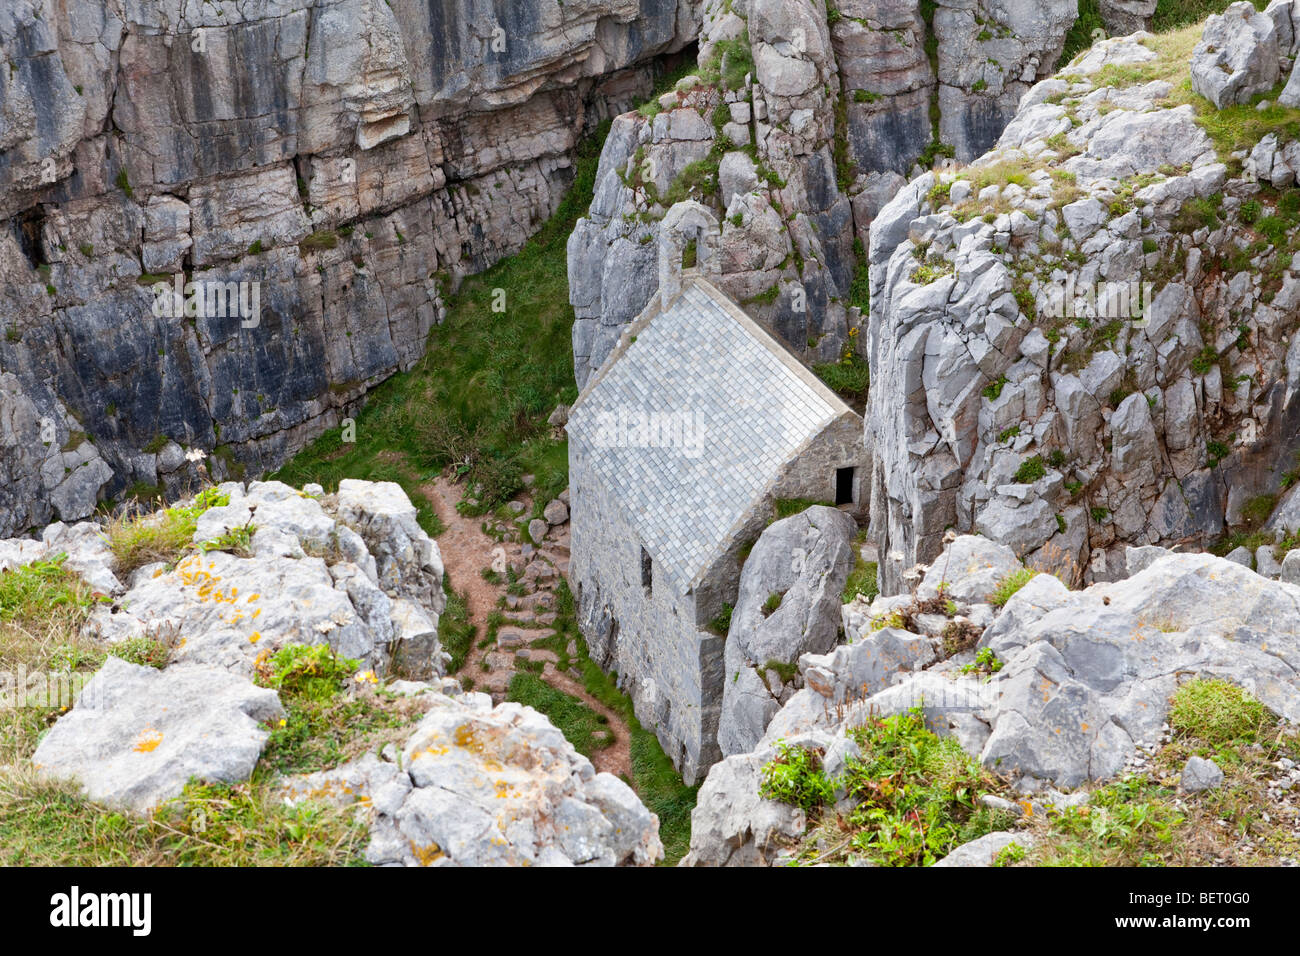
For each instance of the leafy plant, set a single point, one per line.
(311, 671)
(795, 777)
(237, 541)
(722, 623)
(1030, 470)
(986, 662)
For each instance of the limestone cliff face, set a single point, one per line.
(342, 159)
(1086, 339)
(805, 120)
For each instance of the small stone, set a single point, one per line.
(537, 529)
(556, 513)
(1200, 774)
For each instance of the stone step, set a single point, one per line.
(531, 623)
(535, 601)
(508, 640)
(496, 660)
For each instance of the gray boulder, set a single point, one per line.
(1123, 17)
(1237, 56)
(731, 824)
(985, 850)
(1142, 557)
(1290, 573)
(968, 570)
(500, 786)
(1094, 677)
(858, 670)
(537, 529)
(804, 561)
(1286, 516)
(137, 735)
(1199, 774)
(556, 512)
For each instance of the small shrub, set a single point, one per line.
(986, 662)
(959, 636)
(238, 541)
(795, 777)
(771, 604)
(862, 580)
(310, 671)
(145, 651)
(1009, 585)
(1217, 712)
(722, 623)
(1030, 470)
(993, 391)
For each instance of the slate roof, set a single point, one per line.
(733, 405)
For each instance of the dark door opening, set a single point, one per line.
(844, 485)
(647, 571)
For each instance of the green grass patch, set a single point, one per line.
(455, 632)
(787, 507)
(862, 580)
(49, 824)
(849, 378)
(1217, 712)
(1009, 585)
(1129, 823)
(587, 730)
(141, 540)
(28, 593)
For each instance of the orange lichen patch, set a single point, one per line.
(1027, 806)
(255, 614)
(468, 738)
(148, 741)
(253, 597)
(254, 637)
(426, 855)
(1083, 727)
